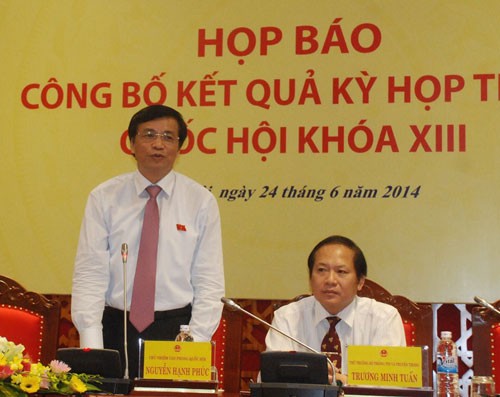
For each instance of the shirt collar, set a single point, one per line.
(319, 312)
(346, 314)
(166, 183)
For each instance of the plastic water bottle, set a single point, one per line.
(447, 367)
(184, 334)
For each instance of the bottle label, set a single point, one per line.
(447, 364)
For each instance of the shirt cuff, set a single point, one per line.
(91, 337)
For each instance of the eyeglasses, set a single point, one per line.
(166, 137)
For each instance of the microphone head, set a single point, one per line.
(228, 302)
(487, 305)
(124, 252)
(483, 302)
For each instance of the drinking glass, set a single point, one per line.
(482, 386)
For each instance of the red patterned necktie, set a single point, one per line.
(331, 343)
(142, 308)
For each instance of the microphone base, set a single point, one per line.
(292, 389)
(116, 385)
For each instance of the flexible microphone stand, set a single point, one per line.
(125, 336)
(234, 305)
(487, 305)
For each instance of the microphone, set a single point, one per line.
(487, 305)
(104, 362)
(125, 336)
(232, 304)
(124, 253)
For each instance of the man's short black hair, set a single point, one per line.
(154, 112)
(359, 258)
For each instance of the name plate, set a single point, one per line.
(387, 366)
(177, 360)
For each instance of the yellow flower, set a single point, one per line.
(30, 384)
(77, 385)
(16, 378)
(19, 376)
(16, 364)
(38, 369)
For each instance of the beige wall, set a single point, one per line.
(441, 245)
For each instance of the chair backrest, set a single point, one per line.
(227, 340)
(486, 342)
(417, 319)
(30, 319)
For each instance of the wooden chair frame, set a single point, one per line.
(232, 354)
(484, 321)
(14, 295)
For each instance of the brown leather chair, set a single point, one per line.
(30, 319)
(486, 342)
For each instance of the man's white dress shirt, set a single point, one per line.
(190, 263)
(363, 322)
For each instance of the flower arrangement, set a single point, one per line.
(19, 377)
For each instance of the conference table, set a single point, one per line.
(151, 388)
(185, 394)
(348, 390)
